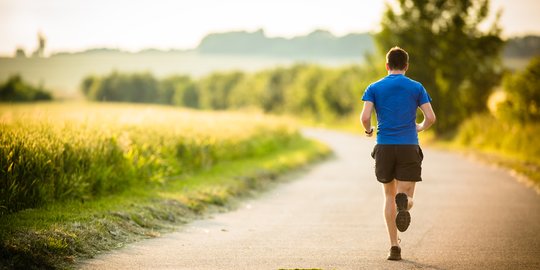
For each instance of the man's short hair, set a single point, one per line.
(397, 58)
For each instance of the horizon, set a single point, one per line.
(119, 49)
(83, 50)
(179, 25)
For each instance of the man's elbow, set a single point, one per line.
(432, 119)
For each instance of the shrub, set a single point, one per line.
(17, 90)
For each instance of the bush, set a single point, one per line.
(514, 139)
(17, 90)
(522, 94)
(137, 87)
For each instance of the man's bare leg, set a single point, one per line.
(407, 188)
(390, 190)
(404, 202)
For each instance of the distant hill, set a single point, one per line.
(319, 43)
(522, 47)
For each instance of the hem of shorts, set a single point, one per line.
(410, 180)
(386, 182)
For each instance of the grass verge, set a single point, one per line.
(60, 235)
(512, 145)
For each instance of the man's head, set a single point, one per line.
(397, 59)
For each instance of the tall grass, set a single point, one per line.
(55, 152)
(510, 144)
(512, 139)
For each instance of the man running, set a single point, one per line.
(398, 157)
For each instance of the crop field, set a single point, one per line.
(80, 151)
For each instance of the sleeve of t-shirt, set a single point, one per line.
(368, 95)
(423, 97)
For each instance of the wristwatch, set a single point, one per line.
(369, 132)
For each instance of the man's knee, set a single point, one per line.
(405, 187)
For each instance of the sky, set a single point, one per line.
(75, 25)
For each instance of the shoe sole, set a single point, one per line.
(403, 217)
(394, 256)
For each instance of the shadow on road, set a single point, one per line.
(418, 265)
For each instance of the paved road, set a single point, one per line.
(466, 216)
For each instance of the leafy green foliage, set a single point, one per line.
(15, 89)
(214, 89)
(138, 87)
(456, 62)
(513, 139)
(179, 90)
(512, 144)
(306, 90)
(523, 94)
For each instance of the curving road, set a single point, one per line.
(466, 216)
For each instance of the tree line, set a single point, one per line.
(303, 89)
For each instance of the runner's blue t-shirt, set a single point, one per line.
(396, 99)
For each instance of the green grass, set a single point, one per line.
(509, 144)
(61, 234)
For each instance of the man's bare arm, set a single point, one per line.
(429, 117)
(365, 117)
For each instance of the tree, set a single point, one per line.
(19, 53)
(455, 61)
(15, 89)
(87, 84)
(248, 93)
(342, 91)
(179, 90)
(40, 51)
(523, 94)
(137, 87)
(214, 89)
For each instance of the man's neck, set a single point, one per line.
(394, 72)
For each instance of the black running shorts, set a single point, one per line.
(401, 162)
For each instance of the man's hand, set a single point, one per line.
(419, 127)
(369, 133)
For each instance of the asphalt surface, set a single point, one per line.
(467, 215)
